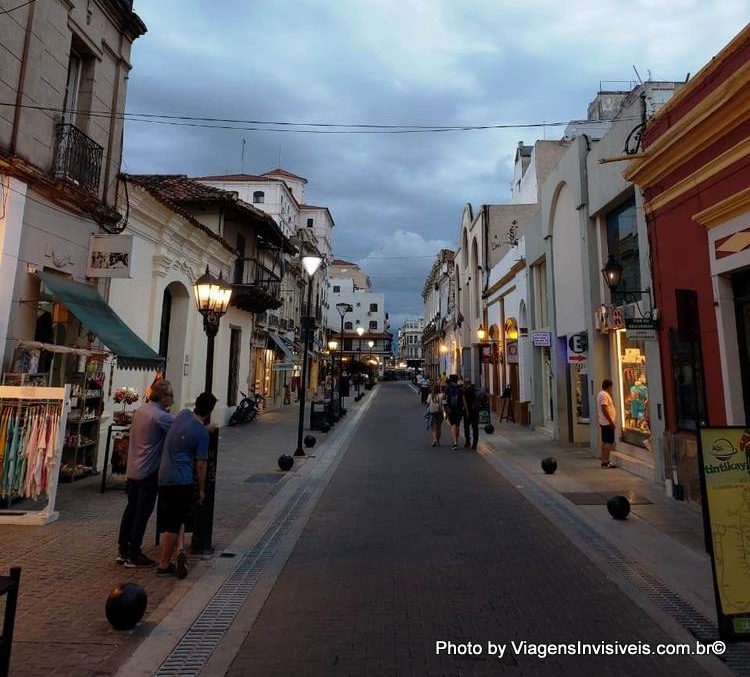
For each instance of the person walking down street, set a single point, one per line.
(435, 406)
(605, 410)
(147, 432)
(471, 418)
(454, 407)
(185, 447)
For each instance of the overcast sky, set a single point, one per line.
(396, 199)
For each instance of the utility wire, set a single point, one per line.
(292, 127)
(13, 9)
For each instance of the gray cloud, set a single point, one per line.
(395, 62)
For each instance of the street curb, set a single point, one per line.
(165, 636)
(557, 509)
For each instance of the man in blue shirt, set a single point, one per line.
(186, 446)
(147, 433)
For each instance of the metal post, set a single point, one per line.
(204, 513)
(359, 364)
(306, 322)
(341, 360)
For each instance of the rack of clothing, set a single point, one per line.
(32, 430)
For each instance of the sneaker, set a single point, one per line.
(434, 444)
(454, 447)
(170, 570)
(181, 568)
(120, 559)
(139, 562)
(608, 465)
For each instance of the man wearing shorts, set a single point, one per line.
(605, 410)
(185, 446)
(454, 407)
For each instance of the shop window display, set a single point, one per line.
(634, 412)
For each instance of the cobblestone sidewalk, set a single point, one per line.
(69, 566)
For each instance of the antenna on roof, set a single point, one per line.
(243, 154)
(637, 74)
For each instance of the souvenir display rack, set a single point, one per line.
(82, 432)
(25, 399)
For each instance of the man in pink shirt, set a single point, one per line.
(605, 411)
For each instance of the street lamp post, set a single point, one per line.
(343, 309)
(371, 345)
(311, 265)
(333, 344)
(360, 331)
(212, 298)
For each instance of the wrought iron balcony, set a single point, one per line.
(78, 159)
(256, 288)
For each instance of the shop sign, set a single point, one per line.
(724, 462)
(110, 256)
(609, 318)
(490, 353)
(541, 339)
(283, 366)
(641, 328)
(578, 346)
(511, 351)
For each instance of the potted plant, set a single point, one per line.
(124, 396)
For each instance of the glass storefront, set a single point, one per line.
(633, 391)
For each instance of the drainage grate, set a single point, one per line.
(200, 641)
(264, 478)
(737, 656)
(598, 498)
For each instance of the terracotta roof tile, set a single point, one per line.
(283, 172)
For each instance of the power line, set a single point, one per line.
(292, 127)
(13, 9)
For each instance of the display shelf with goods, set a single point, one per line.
(79, 458)
(634, 399)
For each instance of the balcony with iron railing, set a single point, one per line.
(256, 287)
(77, 159)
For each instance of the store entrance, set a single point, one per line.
(741, 289)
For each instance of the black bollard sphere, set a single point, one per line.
(286, 462)
(549, 465)
(618, 507)
(309, 441)
(325, 428)
(489, 428)
(126, 605)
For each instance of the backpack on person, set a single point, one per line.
(454, 398)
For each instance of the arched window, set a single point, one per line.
(348, 325)
(259, 197)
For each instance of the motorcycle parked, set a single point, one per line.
(246, 410)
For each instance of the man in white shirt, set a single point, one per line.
(605, 410)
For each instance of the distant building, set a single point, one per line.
(410, 342)
(349, 286)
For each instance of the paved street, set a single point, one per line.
(69, 568)
(410, 545)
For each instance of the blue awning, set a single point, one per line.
(285, 347)
(94, 313)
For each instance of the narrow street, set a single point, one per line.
(410, 545)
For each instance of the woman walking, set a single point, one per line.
(435, 404)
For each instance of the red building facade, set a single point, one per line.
(695, 176)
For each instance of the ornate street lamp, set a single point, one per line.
(212, 297)
(311, 265)
(360, 332)
(481, 333)
(344, 309)
(612, 273)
